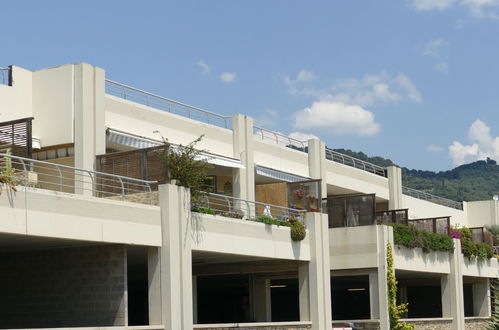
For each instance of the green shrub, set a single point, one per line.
(411, 237)
(394, 310)
(298, 231)
(480, 251)
(204, 210)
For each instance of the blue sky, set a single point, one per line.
(415, 81)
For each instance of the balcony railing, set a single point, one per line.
(159, 102)
(481, 235)
(432, 198)
(243, 209)
(62, 178)
(394, 216)
(4, 76)
(354, 162)
(279, 139)
(439, 225)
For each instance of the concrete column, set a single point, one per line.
(317, 163)
(395, 187)
(244, 178)
(303, 291)
(319, 272)
(89, 122)
(481, 298)
(262, 309)
(176, 258)
(385, 235)
(452, 289)
(374, 295)
(195, 299)
(154, 288)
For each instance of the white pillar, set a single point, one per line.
(154, 288)
(452, 289)
(89, 122)
(394, 174)
(244, 178)
(374, 295)
(317, 163)
(319, 272)
(304, 291)
(385, 235)
(261, 301)
(481, 298)
(176, 257)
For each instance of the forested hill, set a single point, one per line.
(469, 182)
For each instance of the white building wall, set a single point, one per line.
(483, 213)
(419, 208)
(16, 101)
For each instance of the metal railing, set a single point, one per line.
(45, 175)
(481, 235)
(159, 102)
(233, 207)
(432, 198)
(4, 76)
(278, 138)
(439, 225)
(355, 162)
(394, 216)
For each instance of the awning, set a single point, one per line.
(139, 142)
(279, 175)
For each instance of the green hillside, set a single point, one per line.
(469, 182)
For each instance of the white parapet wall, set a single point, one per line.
(481, 268)
(418, 261)
(281, 158)
(43, 213)
(353, 247)
(235, 236)
(419, 208)
(143, 121)
(351, 178)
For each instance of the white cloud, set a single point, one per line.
(442, 67)
(382, 88)
(204, 67)
(302, 76)
(433, 48)
(228, 77)
(433, 4)
(434, 148)
(476, 8)
(302, 136)
(337, 119)
(483, 145)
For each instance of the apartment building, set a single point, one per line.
(95, 237)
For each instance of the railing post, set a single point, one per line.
(122, 189)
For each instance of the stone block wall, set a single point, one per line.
(64, 287)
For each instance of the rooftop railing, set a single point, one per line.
(233, 207)
(45, 175)
(355, 162)
(4, 76)
(278, 138)
(159, 102)
(432, 198)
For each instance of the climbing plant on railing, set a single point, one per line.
(493, 323)
(394, 310)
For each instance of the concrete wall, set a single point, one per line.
(419, 261)
(280, 158)
(481, 268)
(236, 236)
(67, 287)
(53, 91)
(419, 208)
(353, 247)
(482, 213)
(355, 179)
(45, 213)
(16, 100)
(142, 120)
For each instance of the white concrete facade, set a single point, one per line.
(71, 108)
